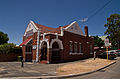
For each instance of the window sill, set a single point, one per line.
(28, 52)
(91, 53)
(75, 53)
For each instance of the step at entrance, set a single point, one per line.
(43, 62)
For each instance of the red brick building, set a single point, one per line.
(65, 43)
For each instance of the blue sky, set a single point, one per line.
(16, 14)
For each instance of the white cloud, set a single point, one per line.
(84, 20)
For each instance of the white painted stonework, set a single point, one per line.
(44, 40)
(31, 26)
(58, 41)
(74, 28)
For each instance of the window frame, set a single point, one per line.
(70, 47)
(75, 47)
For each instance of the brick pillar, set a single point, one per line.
(23, 52)
(62, 55)
(49, 55)
(39, 57)
(34, 55)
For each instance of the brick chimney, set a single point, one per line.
(60, 26)
(86, 30)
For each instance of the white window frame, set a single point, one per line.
(73, 52)
(70, 47)
(75, 47)
(80, 48)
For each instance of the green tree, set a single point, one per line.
(113, 29)
(98, 41)
(3, 38)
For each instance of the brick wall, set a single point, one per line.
(68, 36)
(9, 57)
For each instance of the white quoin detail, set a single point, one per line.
(58, 41)
(37, 52)
(43, 35)
(62, 31)
(56, 36)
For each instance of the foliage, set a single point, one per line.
(10, 48)
(113, 29)
(98, 41)
(3, 38)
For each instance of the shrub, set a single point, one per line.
(10, 48)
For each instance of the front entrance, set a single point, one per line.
(56, 53)
(43, 51)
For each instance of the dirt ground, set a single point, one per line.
(84, 66)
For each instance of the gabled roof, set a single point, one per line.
(45, 29)
(73, 27)
(65, 26)
(26, 41)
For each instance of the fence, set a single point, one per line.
(6, 57)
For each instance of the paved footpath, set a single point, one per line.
(111, 72)
(13, 69)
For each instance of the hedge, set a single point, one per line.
(10, 48)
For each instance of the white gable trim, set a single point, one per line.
(70, 25)
(34, 25)
(31, 26)
(74, 25)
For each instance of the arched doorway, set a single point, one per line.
(56, 58)
(44, 51)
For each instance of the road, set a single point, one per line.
(111, 72)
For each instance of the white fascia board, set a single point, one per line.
(34, 25)
(70, 25)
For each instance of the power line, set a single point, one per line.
(97, 11)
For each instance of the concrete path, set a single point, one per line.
(13, 69)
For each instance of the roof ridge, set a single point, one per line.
(43, 25)
(52, 27)
(45, 29)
